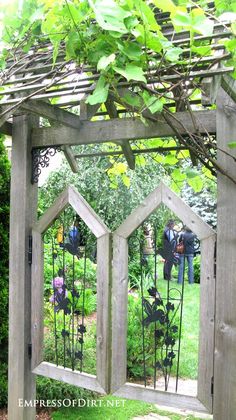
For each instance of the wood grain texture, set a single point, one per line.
(37, 291)
(104, 311)
(47, 219)
(92, 220)
(23, 212)
(51, 112)
(70, 158)
(139, 392)
(72, 377)
(125, 145)
(186, 214)
(119, 311)
(142, 212)
(121, 129)
(207, 322)
(225, 338)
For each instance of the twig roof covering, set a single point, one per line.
(32, 75)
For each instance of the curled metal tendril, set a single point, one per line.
(41, 159)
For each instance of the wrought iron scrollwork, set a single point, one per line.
(41, 159)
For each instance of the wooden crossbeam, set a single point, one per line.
(125, 146)
(124, 129)
(134, 151)
(51, 112)
(70, 158)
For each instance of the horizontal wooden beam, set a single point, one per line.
(51, 112)
(135, 151)
(123, 129)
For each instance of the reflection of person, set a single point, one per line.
(170, 239)
(188, 238)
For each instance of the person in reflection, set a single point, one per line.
(188, 239)
(169, 245)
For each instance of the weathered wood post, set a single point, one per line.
(225, 336)
(23, 212)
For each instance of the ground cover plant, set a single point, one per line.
(125, 410)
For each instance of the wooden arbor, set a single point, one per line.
(162, 194)
(24, 95)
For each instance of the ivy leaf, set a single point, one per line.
(178, 176)
(152, 102)
(131, 72)
(109, 15)
(104, 61)
(232, 144)
(191, 173)
(201, 50)
(165, 5)
(173, 54)
(170, 160)
(147, 15)
(100, 93)
(182, 18)
(126, 180)
(196, 183)
(132, 99)
(131, 50)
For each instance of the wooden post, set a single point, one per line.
(225, 338)
(23, 212)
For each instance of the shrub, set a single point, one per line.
(4, 262)
(50, 389)
(197, 268)
(56, 265)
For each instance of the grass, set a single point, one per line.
(190, 322)
(125, 410)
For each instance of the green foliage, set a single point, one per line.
(50, 389)
(3, 384)
(50, 267)
(4, 262)
(203, 202)
(197, 268)
(113, 35)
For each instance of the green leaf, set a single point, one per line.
(177, 175)
(182, 18)
(152, 102)
(203, 25)
(147, 15)
(191, 173)
(232, 144)
(133, 100)
(132, 50)
(131, 72)
(170, 160)
(196, 183)
(56, 45)
(100, 93)
(126, 180)
(173, 54)
(165, 5)
(104, 61)
(109, 15)
(203, 50)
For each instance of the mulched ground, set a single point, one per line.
(41, 415)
